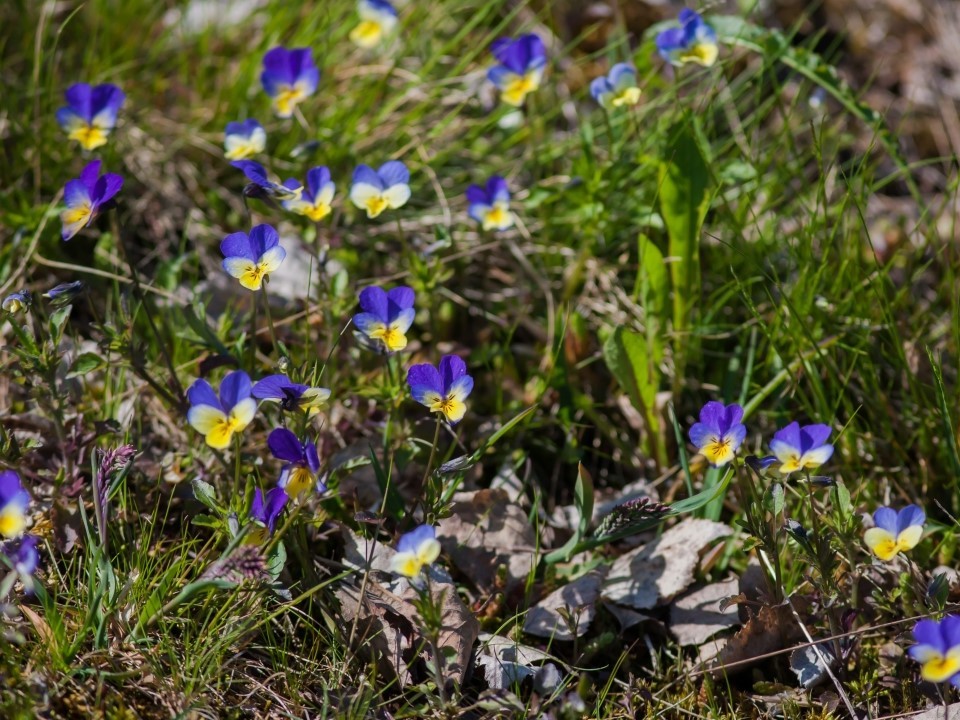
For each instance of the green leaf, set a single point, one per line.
(57, 321)
(635, 366)
(205, 493)
(773, 499)
(276, 560)
(684, 199)
(583, 499)
(840, 497)
(88, 362)
(949, 435)
(703, 497)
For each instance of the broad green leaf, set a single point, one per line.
(88, 362)
(205, 493)
(635, 365)
(684, 199)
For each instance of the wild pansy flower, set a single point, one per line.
(316, 198)
(444, 389)
(415, 550)
(377, 190)
(719, 433)
(219, 418)
(291, 396)
(377, 19)
(65, 292)
(14, 501)
(938, 649)
(17, 301)
(91, 113)
(22, 555)
(261, 184)
(301, 474)
(490, 205)
(386, 316)
(617, 88)
(522, 62)
(250, 258)
(894, 532)
(85, 196)
(289, 76)
(243, 139)
(801, 448)
(694, 41)
(264, 511)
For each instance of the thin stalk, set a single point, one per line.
(433, 454)
(266, 309)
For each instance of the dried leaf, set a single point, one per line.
(389, 626)
(773, 628)
(578, 600)
(658, 571)
(505, 662)
(809, 666)
(385, 633)
(485, 532)
(939, 712)
(697, 616)
(628, 618)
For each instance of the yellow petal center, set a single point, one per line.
(90, 137)
(516, 90)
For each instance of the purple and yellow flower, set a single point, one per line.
(244, 139)
(22, 555)
(617, 88)
(895, 532)
(719, 433)
(416, 549)
(251, 258)
(291, 396)
(443, 389)
(14, 501)
(301, 473)
(261, 184)
(91, 113)
(693, 42)
(520, 69)
(490, 205)
(801, 448)
(938, 649)
(289, 77)
(219, 418)
(85, 196)
(65, 292)
(264, 511)
(386, 316)
(17, 301)
(378, 18)
(376, 190)
(316, 199)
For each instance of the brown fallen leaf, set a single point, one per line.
(655, 573)
(773, 628)
(485, 532)
(695, 617)
(578, 599)
(389, 627)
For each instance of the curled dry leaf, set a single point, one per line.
(577, 600)
(505, 662)
(697, 616)
(484, 532)
(657, 572)
(773, 628)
